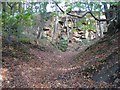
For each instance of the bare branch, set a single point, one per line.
(58, 7)
(90, 12)
(11, 6)
(70, 13)
(97, 18)
(78, 15)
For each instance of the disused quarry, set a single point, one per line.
(29, 66)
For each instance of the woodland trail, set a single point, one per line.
(46, 70)
(52, 69)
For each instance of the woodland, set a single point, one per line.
(53, 44)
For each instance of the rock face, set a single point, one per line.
(108, 74)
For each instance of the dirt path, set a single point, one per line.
(54, 69)
(47, 70)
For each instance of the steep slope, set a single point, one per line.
(102, 60)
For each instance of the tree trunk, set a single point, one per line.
(1, 39)
(118, 17)
(106, 12)
(40, 27)
(20, 7)
(4, 9)
(67, 30)
(20, 25)
(40, 32)
(4, 6)
(0, 33)
(55, 27)
(114, 24)
(100, 29)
